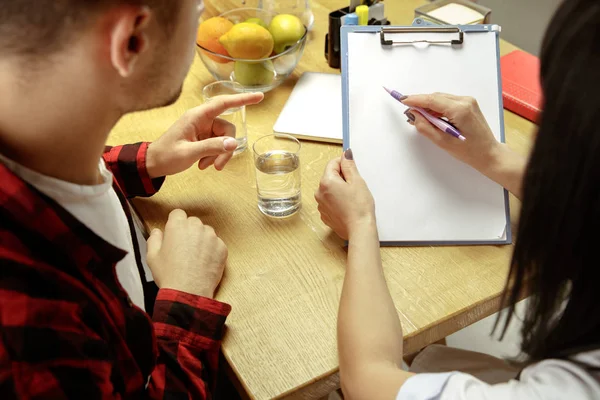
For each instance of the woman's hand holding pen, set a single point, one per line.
(480, 146)
(480, 150)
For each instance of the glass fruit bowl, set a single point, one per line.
(261, 74)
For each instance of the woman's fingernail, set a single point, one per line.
(348, 155)
(402, 98)
(410, 115)
(230, 144)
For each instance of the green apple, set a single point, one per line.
(254, 74)
(286, 30)
(257, 21)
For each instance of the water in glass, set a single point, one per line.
(278, 181)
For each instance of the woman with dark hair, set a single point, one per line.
(554, 258)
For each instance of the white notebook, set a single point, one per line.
(423, 195)
(314, 109)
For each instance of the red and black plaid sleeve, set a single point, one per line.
(128, 164)
(188, 329)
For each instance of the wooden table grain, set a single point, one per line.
(284, 277)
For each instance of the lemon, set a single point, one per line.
(248, 41)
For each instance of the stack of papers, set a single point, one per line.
(314, 109)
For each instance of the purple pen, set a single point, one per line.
(438, 122)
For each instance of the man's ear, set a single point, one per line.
(128, 38)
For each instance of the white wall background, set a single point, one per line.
(523, 21)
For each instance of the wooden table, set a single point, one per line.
(284, 277)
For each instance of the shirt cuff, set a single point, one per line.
(151, 185)
(194, 320)
(128, 165)
(427, 386)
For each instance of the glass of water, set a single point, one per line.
(278, 178)
(237, 116)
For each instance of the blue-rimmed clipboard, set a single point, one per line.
(423, 195)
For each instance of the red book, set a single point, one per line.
(521, 90)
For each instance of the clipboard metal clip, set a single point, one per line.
(427, 29)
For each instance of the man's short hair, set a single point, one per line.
(42, 27)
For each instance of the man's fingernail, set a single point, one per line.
(348, 155)
(402, 98)
(409, 115)
(230, 144)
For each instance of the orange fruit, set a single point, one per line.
(208, 36)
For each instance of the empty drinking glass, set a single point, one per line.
(237, 116)
(278, 179)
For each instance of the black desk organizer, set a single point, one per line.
(332, 38)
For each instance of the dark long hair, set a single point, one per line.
(557, 253)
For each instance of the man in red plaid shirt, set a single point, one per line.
(73, 293)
